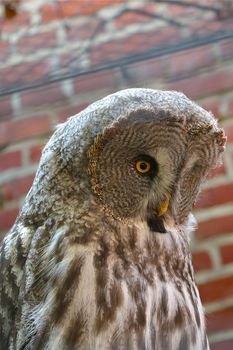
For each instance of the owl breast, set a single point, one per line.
(124, 293)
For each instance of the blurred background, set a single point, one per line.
(58, 56)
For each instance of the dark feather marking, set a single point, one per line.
(137, 293)
(141, 315)
(66, 291)
(20, 258)
(196, 311)
(186, 313)
(2, 251)
(132, 237)
(116, 295)
(102, 254)
(76, 329)
(27, 341)
(179, 317)
(184, 342)
(121, 252)
(164, 303)
(4, 339)
(160, 272)
(118, 270)
(63, 298)
(108, 293)
(155, 257)
(10, 307)
(107, 308)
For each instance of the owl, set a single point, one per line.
(99, 257)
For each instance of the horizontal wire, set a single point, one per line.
(130, 59)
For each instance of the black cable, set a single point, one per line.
(153, 53)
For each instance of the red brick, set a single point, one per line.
(11, 131)
(214, 227)
(64, 113)
(201, 261)
(86, 8)
(215, 196)
(229, 132)
(4, 51)
(204, 85)
(106, 52)
(185, 63)
(135, 43)
(220, 320)
(7, 218)
(219, 289)
(10, 160)
(223, 345)
(94, 82)
(141, 71)
(220, 170)
(226, 252)
(35, 153)
(131, 17)
(16, 188)
(24, 73)
(29, 43)
(198, 27)
(70, 59)
(84, 30)
(74, 8)
(50, 13)
(38, 97)
(5, 107)
(21, 20)
(176, 10)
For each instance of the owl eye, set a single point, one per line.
(145, 164)
(142, 166)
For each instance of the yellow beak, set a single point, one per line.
(164, 206)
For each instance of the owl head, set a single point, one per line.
(138, 153)
(150, 161)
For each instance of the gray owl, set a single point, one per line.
(99, 256)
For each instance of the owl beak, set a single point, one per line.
(156, 224)
(164, 206)
(156, 220)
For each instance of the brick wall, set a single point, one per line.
(27, 118)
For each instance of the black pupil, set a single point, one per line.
(143, 166)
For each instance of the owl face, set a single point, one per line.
(150, 165)
(134, 172)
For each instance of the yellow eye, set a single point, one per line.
(146, 165)
(143, 166)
